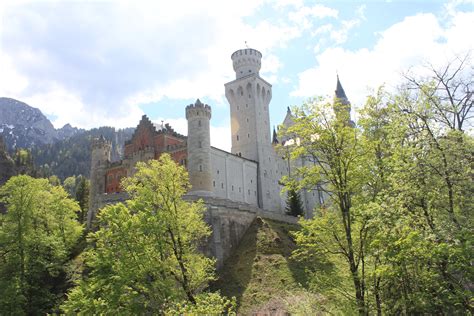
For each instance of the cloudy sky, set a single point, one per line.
(95, 63)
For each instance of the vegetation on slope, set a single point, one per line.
(263, 276)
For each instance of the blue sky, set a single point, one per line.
(95, 63)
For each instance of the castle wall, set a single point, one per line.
(113, 177)
(233, 177)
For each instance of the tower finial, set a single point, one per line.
(246, 44)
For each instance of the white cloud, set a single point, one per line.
(83, 53)
(340, 36)
(409, 43)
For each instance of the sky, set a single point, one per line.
(106, 63)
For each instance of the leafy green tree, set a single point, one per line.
(400, 188)
(294, 206)
(69, 185)
(334, 146)
(37, 233)
(145, 257)
(82, 197)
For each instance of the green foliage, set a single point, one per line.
(145, 256)
(81, 194)
(206, 304)
(261, 273)
(399, 220)
(72, 156)
(37, 234)
(294, 207)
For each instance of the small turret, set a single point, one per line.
(246, 62)
(100, 159)
(199, 148)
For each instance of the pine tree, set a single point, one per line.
(294, 206)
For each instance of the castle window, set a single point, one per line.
(241, 92)
(222, 185)
(200, 144)
(246, 105)
(237, 137)
(240, 190)
(200, 168)
(214, 183)
(199, 123)
(247, 120)
(249, 96)
(217, 171)
(232, 188)
(248, 135)
(249, 192)
(251, 181)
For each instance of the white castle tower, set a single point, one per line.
(199, 148)
(249, 97)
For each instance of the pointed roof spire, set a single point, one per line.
(340, 93)
(275, 138)
(288, 110)
(198, 102)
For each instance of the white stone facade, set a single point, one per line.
(251, 173)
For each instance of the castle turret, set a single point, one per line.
(199, 148)
(246, 62)
(100, 159)
(249, 98)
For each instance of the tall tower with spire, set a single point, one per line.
(249, 97)
(342, 105)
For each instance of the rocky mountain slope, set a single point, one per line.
(23, 126)
(63, 152)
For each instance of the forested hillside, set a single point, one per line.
(72, 156)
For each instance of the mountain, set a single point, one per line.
(23, 126)
(72, 156)
(62, 152)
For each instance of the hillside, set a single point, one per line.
(262, 275)
(72, 156)
(24, 126)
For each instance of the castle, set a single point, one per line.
(247, 179)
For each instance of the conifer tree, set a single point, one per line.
(294, 206)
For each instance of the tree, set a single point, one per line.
(334, 147)
(145, 256)
(400, 211)
(36, 235)
(449, 92)
(69, 184)
(82, 197)
(294, 206)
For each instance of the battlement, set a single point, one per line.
(246, 62)
(101, 142)
(198, 109)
